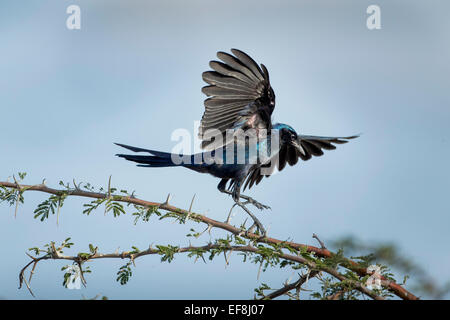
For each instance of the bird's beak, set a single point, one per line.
(296, 144)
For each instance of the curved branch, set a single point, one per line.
(392, 286)
(291, 286)
(248, 248)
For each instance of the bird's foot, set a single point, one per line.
(257, 204)
(260, 230)
(256, 222)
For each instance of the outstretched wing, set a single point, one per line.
(305, 148)
(240, 96)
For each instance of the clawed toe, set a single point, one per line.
(256, 222)
(259, 228)
(257, 204)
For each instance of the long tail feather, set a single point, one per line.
(149, 161)
(160, 159)
(136, 149)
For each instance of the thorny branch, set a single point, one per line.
(255, 238)
(297, 285)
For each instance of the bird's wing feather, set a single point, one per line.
(239, 96)
(308, 146)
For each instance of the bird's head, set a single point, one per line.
(288, 136)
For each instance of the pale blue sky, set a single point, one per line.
(132, 74)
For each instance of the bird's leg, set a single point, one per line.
(236, 197)
(248, 199)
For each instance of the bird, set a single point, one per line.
(237, 121)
